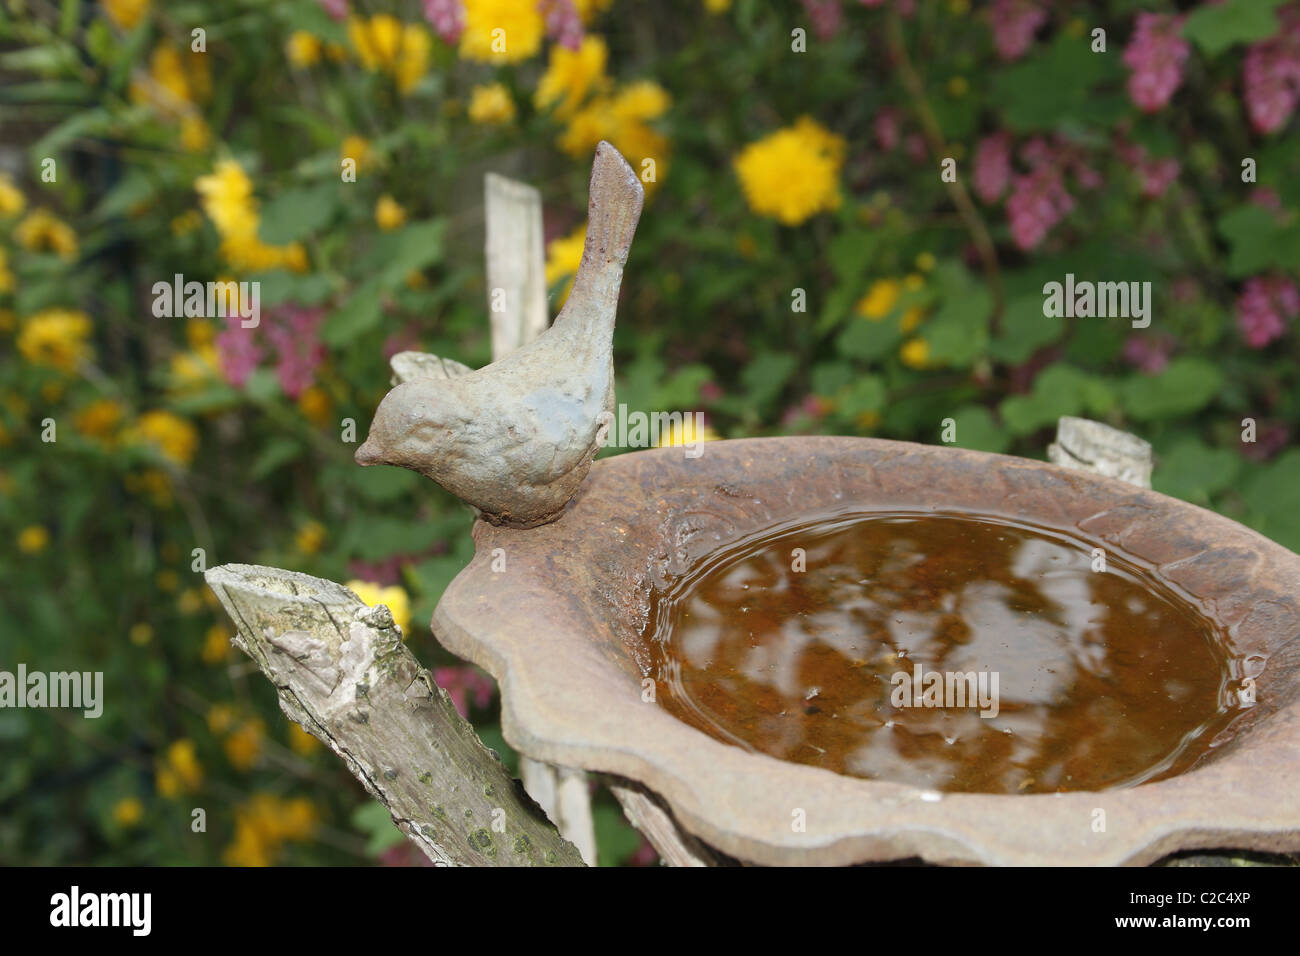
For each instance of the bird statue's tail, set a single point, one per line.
(613, 209)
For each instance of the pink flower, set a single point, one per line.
(447, 17)
(238, 351)
(1038, 202)
(1155, 54)
(293, 333)
(826, 17)
(992, 166)
(1270, 440)
(1014, 24)
(1271, 75)
(1155, 174)
(338, 9)
(886, 129)
(465, 683)
(563, 25)
(1148, 353)
(1263, 308)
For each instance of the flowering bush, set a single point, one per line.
(853, 209)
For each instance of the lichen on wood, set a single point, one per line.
(343, 673)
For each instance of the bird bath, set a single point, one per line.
(1149, 702)
(565, 617)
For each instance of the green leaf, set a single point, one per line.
(865, 394)
(278, 451)
(394, 255)
(766, 375)
(376, 823)
(681, 390)
(358, 315)
(616, 839)
(1025, 329)
(1056, 86)
(1058, 390)
(1272, 494)
(829, 377)
(959, 332)
(297, 213)
(976, 428)
(1259, 242)
(1214, 28)
(1192, 471)
(867, 339)
(1186, 385)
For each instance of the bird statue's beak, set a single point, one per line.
(369, 453)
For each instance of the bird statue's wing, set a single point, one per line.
(408, 366)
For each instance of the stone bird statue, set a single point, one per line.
(516, 438)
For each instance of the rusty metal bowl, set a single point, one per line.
(563, 628)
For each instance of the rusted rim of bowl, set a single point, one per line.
(553, 628)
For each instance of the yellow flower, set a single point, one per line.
(396, 598)
(176, 81)
(388, 213)
(911, 319)
(717, 6)
(190, 601)
(643, 100)
(913, 282)
(571, 75)
(195, 134)
(192, 369)
(792, 174)
(172, 436)
(6, 277)
(301, 742)
(501, 31)
(686, 433)
(562, 259)
(179, 771)
(42, 231)
(491, 104)
(621, 119)
(8, 320)
(310, 537)
(199, 333)
(316, 406)
(302, 48)
(244, 745)
(154, 483)
(413, 59)
(958, 86)
(958, 7)
(356, 149)
(125, 13)
(385, 44)
(880, 299)
(221, 717)
(140, 634)
(226, 195)
(127, 812)
(216, 645)
(914, 353)
(925, 261)
(33, 539)
(56, 338)
(167, 580)
(12, 200)
(263, 824)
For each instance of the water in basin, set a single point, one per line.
(948, 651)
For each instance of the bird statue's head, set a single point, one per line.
(410, 430)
